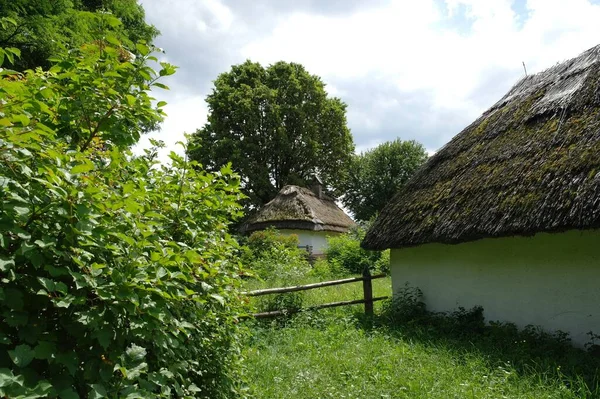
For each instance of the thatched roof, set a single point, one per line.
(300, 208)
(529, 164)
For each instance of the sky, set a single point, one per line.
(410, 69)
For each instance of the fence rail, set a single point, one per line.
(368, 298)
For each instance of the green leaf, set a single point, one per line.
(97, 391)
(22, 355)
(130, 99)
(45, 350)
(219, 298)
(69, 360)
(142, 48)
(82, 168)
(48, 284)
(6, 264)
(161, 104)
(4, 340)
(13, 298)
(15, 51)
(112, 39)
(136, 353)
(162, 86)
(23, 119)
(68, 393)
(7, 378)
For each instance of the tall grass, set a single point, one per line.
(337, 353)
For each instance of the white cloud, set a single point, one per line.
(413, 52)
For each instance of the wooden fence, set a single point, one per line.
(368, 298)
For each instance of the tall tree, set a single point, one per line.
(44, 26)
(376, 175)
(277, 126)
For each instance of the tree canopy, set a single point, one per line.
(277, 126)
(376, 175)
(43, 27)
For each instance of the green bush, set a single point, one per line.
(116, 271)
(275, 257)
(344, 252)
(324, 270)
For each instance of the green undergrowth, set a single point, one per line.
(405, 352)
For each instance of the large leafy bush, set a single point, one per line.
(344, 253)
(275, 257)
(116, 272)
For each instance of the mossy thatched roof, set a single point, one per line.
(529, 164)
(300, 208)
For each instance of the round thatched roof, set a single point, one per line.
(300, 208)
(529, 164)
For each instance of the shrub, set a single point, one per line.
(264, 240)
(405, 306)
(344, 252)
(117, 277)
(323, 270)
(275, 257)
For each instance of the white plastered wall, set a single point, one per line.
(550, 280)
(316, 239)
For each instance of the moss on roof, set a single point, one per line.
(529, 164)
(299, 208)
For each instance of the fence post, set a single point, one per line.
(368, 291)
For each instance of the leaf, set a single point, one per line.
(136, 353)
(130, 99)
(68, 393)
(219, 298)
(82, 168)
(97, 391)
(104, 336)
(23, 119)
(4, 340)
(7, 378)
(22, 355)
(162, 86)
(21, 210)
(161, 104)
(142, 48)
(13, 298)
(64, 302)
(48, 284)
(45, 350)
(6, 264)
(112, 39)
(69, 360)
(15, 51)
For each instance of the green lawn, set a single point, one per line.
(336, 353)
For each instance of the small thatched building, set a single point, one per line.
(311, 214)
(507, 214)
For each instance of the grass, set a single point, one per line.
(337, 353)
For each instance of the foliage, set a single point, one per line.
(116, 272)
(275, 257)
(344, 252)
(324, 270)
(375, 176)
(277, 126)
(263, 240)
(43, 27)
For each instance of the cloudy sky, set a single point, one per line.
(413, 69)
